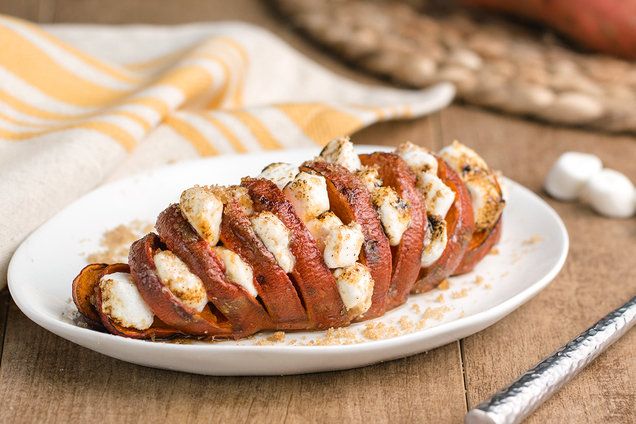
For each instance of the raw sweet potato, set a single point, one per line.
(460, 225)
(314, 281)
(351, 202)
(395, 173)
(608, 26)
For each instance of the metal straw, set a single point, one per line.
(516, 402)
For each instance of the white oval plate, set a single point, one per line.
(532, 251)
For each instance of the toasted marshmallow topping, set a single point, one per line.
(481, 183)
(275, 236)
(203, 210)
(340, 151)
(355, 286)
(435, 240)
(438, 197)
(417, 158)
(237, 270)
(176, 276)
(280, 173)
(393, 211)
(321, 226)
(233, 193)
(342, 245)
(308, 194)
(122, 302)
(370, 176)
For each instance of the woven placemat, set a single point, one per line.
(493, 62)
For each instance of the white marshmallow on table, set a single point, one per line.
(610, 193)
(569, 173)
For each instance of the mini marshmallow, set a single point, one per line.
(610, 193)
(569, 173)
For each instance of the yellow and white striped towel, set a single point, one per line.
(80, 105)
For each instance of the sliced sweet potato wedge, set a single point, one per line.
(351, 202)
(84, 290)
(242, 310)
(314, 280)
(88, 299)
(460, 225)
(166, 306)
(274, 286)
(480, 244)
(395, 173)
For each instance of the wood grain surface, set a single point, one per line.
(44, 378)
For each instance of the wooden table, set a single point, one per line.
(44, 378)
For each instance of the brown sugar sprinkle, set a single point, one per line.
(444, 285)
(335, 336)
(278, 336)
(274, 338)
(379, 330)
(406, 324)
(435, 313)
(494, 251)
(440, 298)
(488, 286)
(532, 240)
(115, 243)
(462, 314)
(458, 294)
(415, 308)
(479, 279)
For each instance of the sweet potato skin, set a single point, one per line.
(350, 201)
(166, 306)
(313, 279)
(395, 173)
(460, 227)
(274, 286)
(480, 245)
(605, 26)
(241, 309)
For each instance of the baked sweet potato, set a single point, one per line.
(480, 245)
(314, 281)
(166, 306)
(242, 310)
(395, 173)
(350, 200)
(88, 299)
(460, 225)
(274, 286)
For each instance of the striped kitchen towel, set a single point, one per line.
(80, 105)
